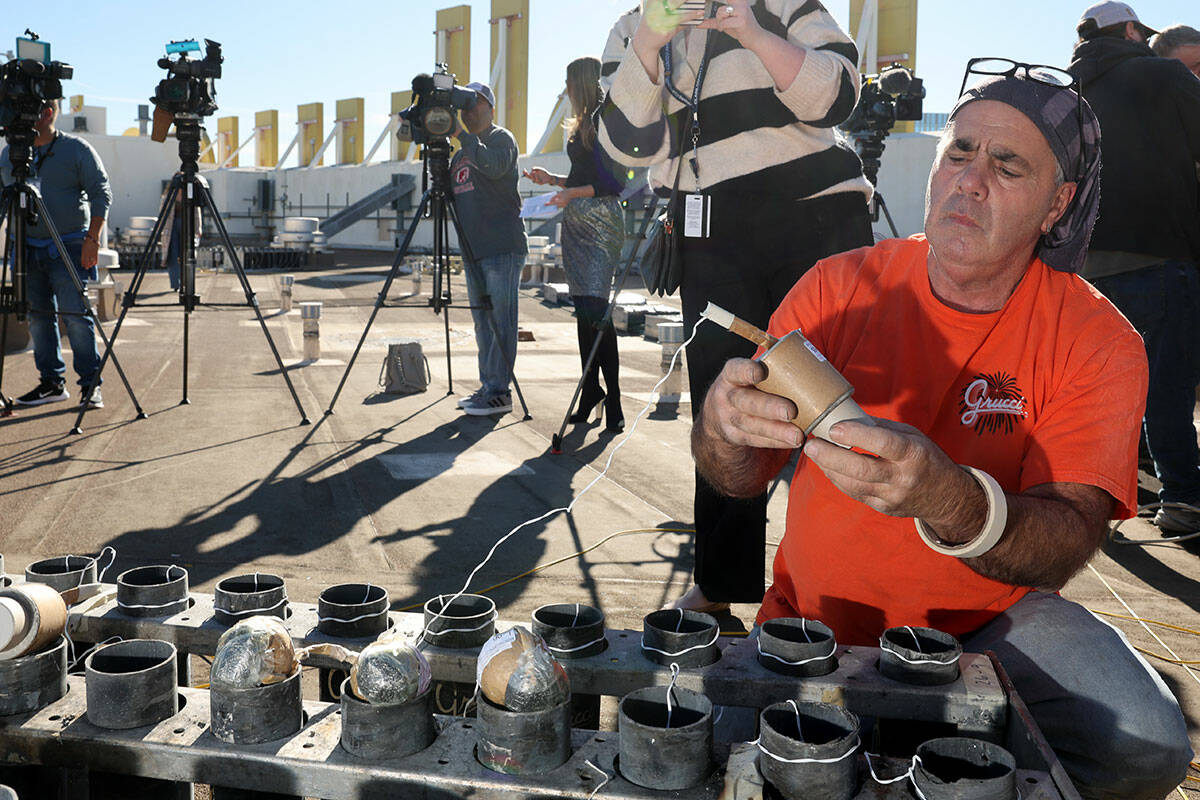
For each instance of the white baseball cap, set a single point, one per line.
(1112, 12)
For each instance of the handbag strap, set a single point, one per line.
(669, 224)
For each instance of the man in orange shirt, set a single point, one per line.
(1006, 395)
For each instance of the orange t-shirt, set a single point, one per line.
(1051, 388)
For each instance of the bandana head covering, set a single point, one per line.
(1056, 111)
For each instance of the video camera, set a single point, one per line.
(436, 100)
(894, 94)
(189, 87)
(27, 83)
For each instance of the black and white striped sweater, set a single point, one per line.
(754, 139)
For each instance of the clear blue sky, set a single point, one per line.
(280, 55)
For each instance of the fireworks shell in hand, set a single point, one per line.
(517, 671)
(390, 672)
(255, 652)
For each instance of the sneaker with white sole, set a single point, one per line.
(463, 402)
(46, 392)
(490, 405)
(1178, 520)
(92, 399)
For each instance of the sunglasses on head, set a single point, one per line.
(1038, 73)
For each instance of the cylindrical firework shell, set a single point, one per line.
(798, 371)
(38, 616)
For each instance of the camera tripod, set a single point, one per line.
(20, 202)
(187, 192)
(438, 201)
(870, 150)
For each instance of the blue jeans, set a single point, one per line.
(1110, 719)
(497, 277)
(50, 290)
(1163, 303)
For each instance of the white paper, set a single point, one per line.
(538, 207)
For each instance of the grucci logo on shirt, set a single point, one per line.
(992, 403)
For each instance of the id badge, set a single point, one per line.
(697, 216)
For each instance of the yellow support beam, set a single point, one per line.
(209, 153)
(398, 149)
(510, 19)
(227, 140)
(452, 41)
(311, 119)
(896, 40)
(266, 138)
(350, 130)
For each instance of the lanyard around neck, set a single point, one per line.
(37, 165)
(692, 104)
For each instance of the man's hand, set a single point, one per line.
(737, 412)
(91, 253)
(743, 436)
(736, 18)
(909, 475)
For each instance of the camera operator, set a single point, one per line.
(768, 176)
(75, 189)
(483, 174)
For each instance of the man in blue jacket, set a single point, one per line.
(75, 189)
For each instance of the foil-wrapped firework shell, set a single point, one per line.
(255, 652)
(390, 672)
(516, 671)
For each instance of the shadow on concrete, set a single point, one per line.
(517, 507)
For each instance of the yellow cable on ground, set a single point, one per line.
(1164, 645)
(1151, 621)
(582, 552)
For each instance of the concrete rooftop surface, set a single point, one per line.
(405, 491)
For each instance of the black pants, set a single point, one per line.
(758, 249)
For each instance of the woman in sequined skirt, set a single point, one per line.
(593, 231)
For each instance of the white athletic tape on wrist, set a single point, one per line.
(993, 525)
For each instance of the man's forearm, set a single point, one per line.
(95, 228)
(734, 470)
(1047, 539)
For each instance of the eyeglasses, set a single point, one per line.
(1038, 73)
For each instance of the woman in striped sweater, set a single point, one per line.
(780, 191)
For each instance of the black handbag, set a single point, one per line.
(662, 259)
